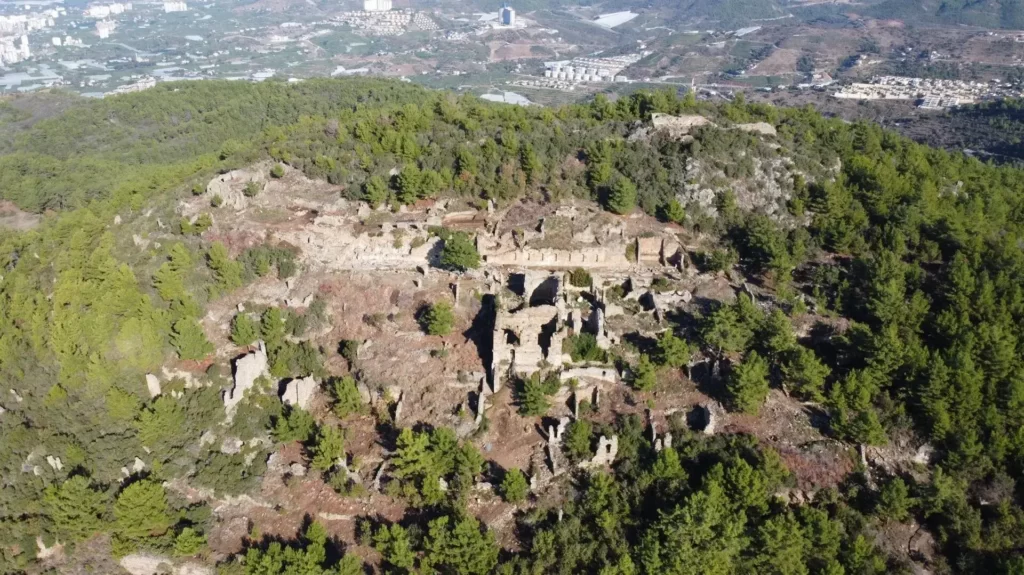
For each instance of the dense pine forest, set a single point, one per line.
(918, 249)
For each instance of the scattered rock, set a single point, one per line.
(763, 128)
(192, 568)
(146, 564)
(231, 446)
(43, 552)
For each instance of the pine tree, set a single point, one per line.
(673, 351)
(347, 399)
(169, 279)
(189, 340)
(75, 509)
(328, 449)
(533, 400)
(530, 164)
(459, 548)
(459, 253)
(244, 330)
(645, 374)
(622, 196)
(726, 329)
(514, 486)
(141, 511)
(438, 319)
(375, 191)
(296, 424)
(394, 545)
(894, 500)
(781, 547)
(747, 386)
(272, 327)
(577, 440)
(227, 273)
(673, 212)
(775, 336)
(189, 542)
(410, 184)
(413, 457)
(804, 373)
(160, 426)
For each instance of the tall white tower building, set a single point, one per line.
(507, 15)
(376, 5)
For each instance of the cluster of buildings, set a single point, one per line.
(14, 49)
(928, 93)
(591, 69)
(376, 5)
(546, 83)
(423, 22)
(170, 7)
(101, 11)
(19, 24)
(378, 23)
(104, 28)
(67, 42)
(14, 31)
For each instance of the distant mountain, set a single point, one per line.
(984, 13)
(721, 12)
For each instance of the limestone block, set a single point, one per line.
(145, 564)
(153, 385)
(247, 370)
(299, 392)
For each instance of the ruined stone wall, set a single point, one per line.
(599, 257)
(330, 243)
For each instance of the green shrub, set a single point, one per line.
(581, 278)
(438, 319)
(583, 347)
(252, 189)
(514, 486)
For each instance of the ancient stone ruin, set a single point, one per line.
(528, 338)
(607, 449)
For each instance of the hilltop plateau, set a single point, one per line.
(356, 326)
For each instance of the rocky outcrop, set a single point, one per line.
(763, 128)
(152, 385)
(247, 370)
(146, 564)
(678, 126)
(299, 392)
(229, 187)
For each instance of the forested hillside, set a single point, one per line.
(917, 250)
(989, 13)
